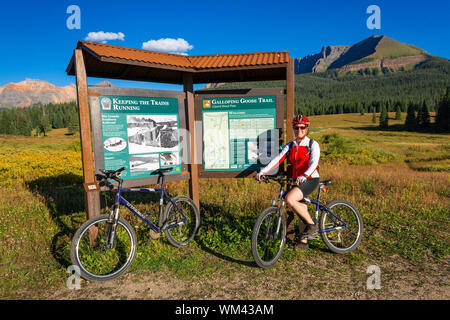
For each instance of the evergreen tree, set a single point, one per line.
(410, 122)
(398, 112)
(423, 116)
(383, 118)
(58, 121)
(74, 123)
(374, 118)
(24, 127)
(6, 122)
(44, 125)
(443, 112)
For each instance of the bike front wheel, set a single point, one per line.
(345, 226)
(181, 221)
(268, 237)
(90, 252)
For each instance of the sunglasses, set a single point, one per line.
(301, 128)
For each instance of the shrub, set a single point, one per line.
(338, 149)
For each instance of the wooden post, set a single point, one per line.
(92, 198)
(290, 94)
(190, 114)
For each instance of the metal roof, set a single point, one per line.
(116, 62)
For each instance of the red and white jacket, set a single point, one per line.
(304, 161)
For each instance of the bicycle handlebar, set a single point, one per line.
(279, 179)
(109, 174)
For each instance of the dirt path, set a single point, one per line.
(312, 280)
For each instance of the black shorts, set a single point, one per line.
(308, 186)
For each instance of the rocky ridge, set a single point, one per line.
(34, 91)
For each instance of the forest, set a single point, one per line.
(418, 91)
(39, 119)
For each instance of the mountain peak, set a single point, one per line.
(104, 84)
(377, 51)
(33, 91)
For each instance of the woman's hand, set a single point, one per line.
(258, 177)
(301, 179)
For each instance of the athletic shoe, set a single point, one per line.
(310, 231)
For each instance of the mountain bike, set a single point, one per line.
(105, 246)
(340, 225)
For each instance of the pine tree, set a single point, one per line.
(74, 123)
(410, 122)
(360, 108)
(44, 125)
(383, 118)
(423, 117)
(443, 112)
(398, 112)
(6, 122)
(374, 118)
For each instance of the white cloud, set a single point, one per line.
(178, 46)
(104, 36)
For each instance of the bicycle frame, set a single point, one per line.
(122, 200)
(319, 206)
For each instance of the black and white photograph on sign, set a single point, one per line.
(115, 144)
(157, 133)
(148, 162)
(169, 159)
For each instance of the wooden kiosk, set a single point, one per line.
(115, 62)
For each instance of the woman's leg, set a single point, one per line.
(301, 228)
(293, 198)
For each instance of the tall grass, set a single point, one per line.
(405, 210)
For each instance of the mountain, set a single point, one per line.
(374, 52)
(34, 91)
(103, 84)
(378, 71)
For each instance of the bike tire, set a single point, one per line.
(97, 263)
(353, 232)
(263, 229)
(181, 235)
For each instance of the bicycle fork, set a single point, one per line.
(277, 230)
(112, 225)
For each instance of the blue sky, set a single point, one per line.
(37, 43)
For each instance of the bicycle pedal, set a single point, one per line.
(312, 236)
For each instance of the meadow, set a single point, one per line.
(398, 180)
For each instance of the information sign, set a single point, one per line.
(140, 133)
(238, 132)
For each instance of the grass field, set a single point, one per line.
(398, 180)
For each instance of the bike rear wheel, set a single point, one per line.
(89, 252)
(181, 230)
(268, 237)
(344, 239)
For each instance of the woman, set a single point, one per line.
(303, 154)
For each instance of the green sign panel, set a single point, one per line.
(141, 134)
(237, 131)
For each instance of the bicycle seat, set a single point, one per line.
(325, 182)
(162, 170)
